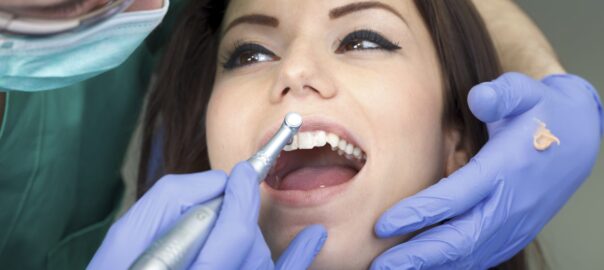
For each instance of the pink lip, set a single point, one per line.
(315, 197)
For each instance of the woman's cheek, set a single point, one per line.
(221, 121)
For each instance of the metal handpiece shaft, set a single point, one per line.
(265, 158)
(179, 246)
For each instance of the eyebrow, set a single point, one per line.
(358, 6)
(258, 19)
(265, 20)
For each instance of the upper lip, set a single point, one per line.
(315, 123)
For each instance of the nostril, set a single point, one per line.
(302, 90)
(285, 91)
(312, 88)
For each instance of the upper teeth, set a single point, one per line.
(312, 139)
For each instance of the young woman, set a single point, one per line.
(384, 82)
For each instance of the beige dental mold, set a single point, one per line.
(543, 137)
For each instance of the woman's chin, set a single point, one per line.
(349, 246)
(348, 211)
(351, 242)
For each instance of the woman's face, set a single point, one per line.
(366, 72)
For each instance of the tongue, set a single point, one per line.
(309, 178)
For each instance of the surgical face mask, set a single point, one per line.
(36, 64)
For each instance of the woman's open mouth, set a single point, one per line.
(316, 165)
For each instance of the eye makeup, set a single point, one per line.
(245, 54)
(366, 40)
(249, 53)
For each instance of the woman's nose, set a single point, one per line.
(302, 75)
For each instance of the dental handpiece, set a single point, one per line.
(177, 248)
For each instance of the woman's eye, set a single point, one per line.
(248, 54)
(365, 40)
(360, 45)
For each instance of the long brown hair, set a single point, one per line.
(176, 108)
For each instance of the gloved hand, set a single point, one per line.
(496, 204)
(235, 242)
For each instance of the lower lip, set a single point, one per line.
(309, 197)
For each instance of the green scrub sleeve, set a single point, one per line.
(60, 157)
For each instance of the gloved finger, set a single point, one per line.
(185, 190)
(447, 244)
(259, 256)
(450, 197)
(302, 250)
(574, 87)
(460, 242)
(166, 201)
(235, 231)
(154, 213)
(509, 95)
(171, 197)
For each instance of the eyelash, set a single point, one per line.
(360, 36)
(351, 42)
(241, 48)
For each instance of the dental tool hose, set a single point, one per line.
(180, 245)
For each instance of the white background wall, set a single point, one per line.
(575, 238)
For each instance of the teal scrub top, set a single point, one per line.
(60, 157)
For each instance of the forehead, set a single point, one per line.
(318, 10)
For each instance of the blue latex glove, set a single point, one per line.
(235, 242)
(496, 204)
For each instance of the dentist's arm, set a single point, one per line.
(494, 206)
(520, 45)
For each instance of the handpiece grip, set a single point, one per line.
(180, 245)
